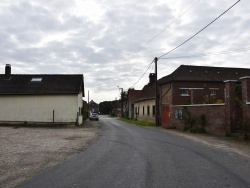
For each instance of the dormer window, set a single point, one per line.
(36, 79)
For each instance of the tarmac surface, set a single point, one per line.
(28, 151)
(127, 155)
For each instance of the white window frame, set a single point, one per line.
(184, 92)
(188, 89)
(213, 91)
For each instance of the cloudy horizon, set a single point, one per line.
(113, 43)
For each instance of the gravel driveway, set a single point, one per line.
(26, 151)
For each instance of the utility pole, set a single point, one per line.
(121, 101)
(88, 105)
(156, 95)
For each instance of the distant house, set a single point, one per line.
(144, 103)
(41, 97)
(116, 110)
(93, 106)
(132, 96)
(203, 90)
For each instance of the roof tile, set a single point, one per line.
(50, 84)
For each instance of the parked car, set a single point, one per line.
(94, 116)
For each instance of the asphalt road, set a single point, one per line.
(127, 155)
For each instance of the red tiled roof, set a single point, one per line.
(133, 95)
(147, 92)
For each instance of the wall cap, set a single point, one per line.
(221, 104)
(230, 81)
(247, 102)
(245, 77)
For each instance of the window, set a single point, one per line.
(184, 92)
(36, 79)
(178, 114)
(138, 110)
(154, 110)
(143, 110)
(135, 110)
(213, 91)
(148, 110)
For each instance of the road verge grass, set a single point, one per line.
(142, 123)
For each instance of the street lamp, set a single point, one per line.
(121, 101)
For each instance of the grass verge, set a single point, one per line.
(142, 123)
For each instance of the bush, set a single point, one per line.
(189, 119)
(190, 122)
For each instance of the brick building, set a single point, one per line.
(213, 91)
(132, 96)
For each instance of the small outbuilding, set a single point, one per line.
(41, 98)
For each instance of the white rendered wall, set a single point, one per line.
(80, 117)
(145, 104)
(39, 108)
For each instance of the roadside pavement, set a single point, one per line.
(228, 144)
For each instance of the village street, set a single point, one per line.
(127, 155)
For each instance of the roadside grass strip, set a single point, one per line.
(142, 123)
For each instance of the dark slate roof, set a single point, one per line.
(204, 73)
(19, 84)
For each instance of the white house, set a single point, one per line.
(144, 104)
(41, 97)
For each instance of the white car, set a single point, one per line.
(93, 116)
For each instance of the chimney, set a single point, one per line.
(7, 71)
(152, 78)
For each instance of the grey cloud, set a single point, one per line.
(105, 50)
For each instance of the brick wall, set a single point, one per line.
(198, 95)
(246, 98)
(214, 113)
(166, 94)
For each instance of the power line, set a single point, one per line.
(185, 57)
(127, 74)
(167, 27)
(151, 41)
(142, 74)
(200, 30)
(210, 54)
(158, 35)
(164, 28)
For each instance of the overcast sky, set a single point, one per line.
(113, 42)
